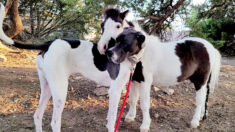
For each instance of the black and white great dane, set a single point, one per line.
(61, 58)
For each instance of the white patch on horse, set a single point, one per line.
(111, 30)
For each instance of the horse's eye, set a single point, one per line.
(118, 26)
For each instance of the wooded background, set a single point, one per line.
(41, 20)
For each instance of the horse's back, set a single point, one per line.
(189, 58)
(195, 61)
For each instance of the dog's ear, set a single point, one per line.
(140, 39)
(124, 14)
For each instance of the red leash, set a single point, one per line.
(124, 102)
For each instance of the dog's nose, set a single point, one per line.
(109, 53)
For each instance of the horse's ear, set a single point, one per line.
(140, 38)
(111, 12)
(124, 14)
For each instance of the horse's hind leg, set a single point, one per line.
(200, 82)
(44, 98)
(204, 112)
(200, 102)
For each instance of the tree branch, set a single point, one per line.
(153, 18)
(163, 18)
(12, 10)
(8, 6)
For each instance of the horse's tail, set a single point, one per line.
(215, 69)
(3, 36)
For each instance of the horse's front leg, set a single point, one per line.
(114, 97)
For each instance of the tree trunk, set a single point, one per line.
(11, 9)
(31, 19)
(38, 23)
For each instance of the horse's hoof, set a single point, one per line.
(194, 124)
(128, 120)
(144, 130)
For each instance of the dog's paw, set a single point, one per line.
(127, 120)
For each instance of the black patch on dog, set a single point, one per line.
(138, 73)
(103, 63)
(74, 43)
(195, 62)
(113, 69)
(100, 61)
(111, 43)
(43, 51)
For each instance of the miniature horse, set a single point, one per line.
(162, 64)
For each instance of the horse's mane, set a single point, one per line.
(149, 38)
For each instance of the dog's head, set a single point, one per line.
(128, 43)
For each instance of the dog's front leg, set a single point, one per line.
(114, 96)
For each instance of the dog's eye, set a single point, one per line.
(126, 48)
(118, 26)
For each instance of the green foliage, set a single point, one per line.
(156, 9)
(218, 27)
(49, 19)
(209, 30)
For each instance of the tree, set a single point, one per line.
(215, 21)
(157, 15)
(11, 9)
(49, 19)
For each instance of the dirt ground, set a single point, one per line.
(86, 112)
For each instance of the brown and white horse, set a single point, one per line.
(162, 64)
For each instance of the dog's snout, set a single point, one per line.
(109, 53)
